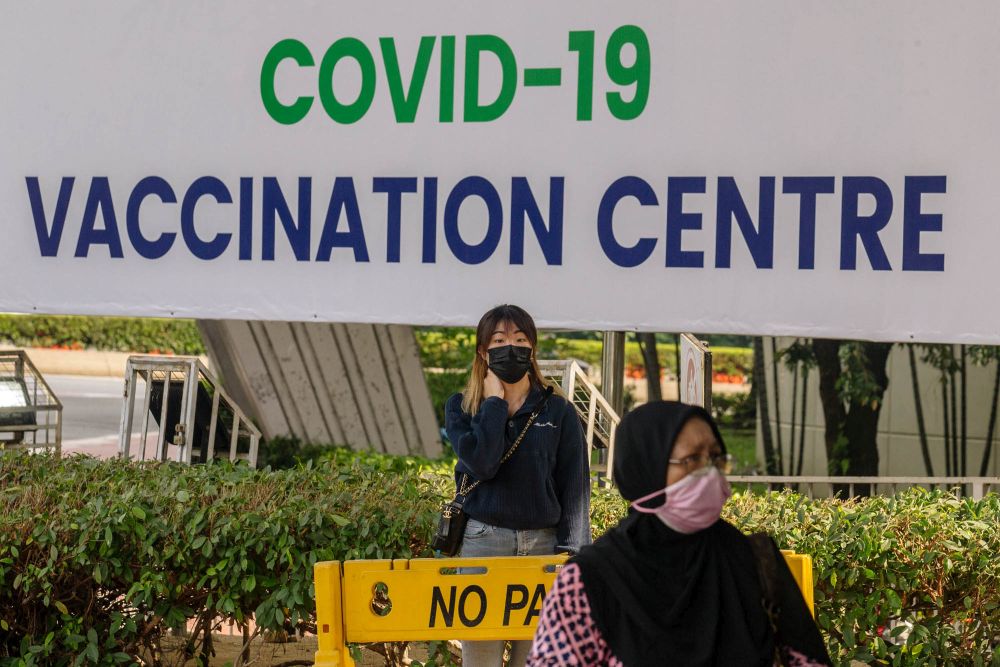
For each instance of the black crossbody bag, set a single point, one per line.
(451, 525)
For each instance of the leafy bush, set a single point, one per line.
(446, 354)
(906, 580)
(735, 410)
(912, 579)
(98, 558)
(284, 452)
(446, 347)
(289, 452)
(441, 386)
(121, 334)
(726, 360)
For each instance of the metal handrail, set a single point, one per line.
(186, 375)
(978, 486)
(35, 432)
(599, 418)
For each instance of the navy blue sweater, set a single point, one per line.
(545, 484)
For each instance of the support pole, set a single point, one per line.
(613, 369)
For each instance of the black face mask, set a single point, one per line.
(510, 362)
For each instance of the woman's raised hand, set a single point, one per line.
(492, 385)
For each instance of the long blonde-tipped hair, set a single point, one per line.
(472, 397)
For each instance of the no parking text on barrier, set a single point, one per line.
(367, 601)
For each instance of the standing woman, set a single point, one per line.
(537, 502)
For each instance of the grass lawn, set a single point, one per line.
(742, 444)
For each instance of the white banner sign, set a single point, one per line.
(791, 167)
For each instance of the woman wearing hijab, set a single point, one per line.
(673, 583)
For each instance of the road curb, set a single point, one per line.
(99, 363)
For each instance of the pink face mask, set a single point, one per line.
(692, 504)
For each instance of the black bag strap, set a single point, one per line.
(764, 551)
(464, 490)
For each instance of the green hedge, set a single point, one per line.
(446, 354)
(919, 569)
(909, 580)
(98, 558)
(728, 360)
(440, 347)
(121, 334)
(454, 347)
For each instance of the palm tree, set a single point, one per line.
(985, 464)
(647, 345)
(777, 403)
(921, 425)
(802, 421)
(983, 355)
(763, 413)
(965, 411)
(798, 355)
(942, 357)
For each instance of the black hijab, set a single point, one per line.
(660, 597)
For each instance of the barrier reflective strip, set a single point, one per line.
(367, 601)
(801, 566)
(332, 652)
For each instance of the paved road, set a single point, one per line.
(92, 410)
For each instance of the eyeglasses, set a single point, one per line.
(721, 461)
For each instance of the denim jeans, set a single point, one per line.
(484, 540)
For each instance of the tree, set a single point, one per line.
(779, 452)
(925, 450)
(798, 355)
(942, 357)
(954, 397)
(764, 414)
(647, 345)
(852, 382)
(982, 355)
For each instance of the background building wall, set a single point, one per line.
(898, 435)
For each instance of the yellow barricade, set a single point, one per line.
(801, 566)
(367, 601)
